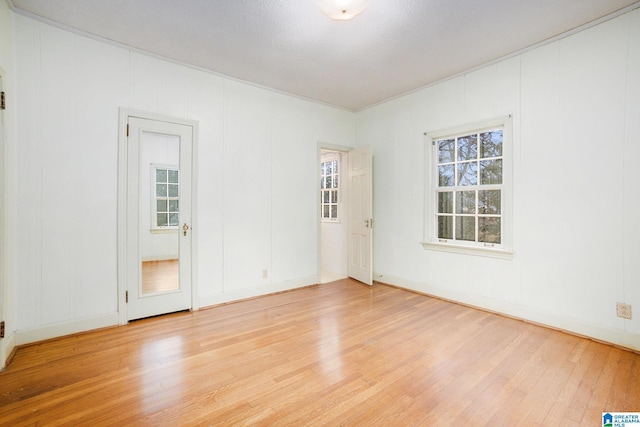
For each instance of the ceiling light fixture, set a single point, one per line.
(342, 10)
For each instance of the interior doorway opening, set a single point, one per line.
(334, 198)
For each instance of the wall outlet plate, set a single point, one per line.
(623, 310)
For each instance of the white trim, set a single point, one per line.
(257, 291)
(328, 147)
(124, 115)
(518, 311)
(469, 250)
(430, 240)
(27, 336)
(8, 342)
(326, 157)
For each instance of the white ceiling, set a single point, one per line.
(394, 47)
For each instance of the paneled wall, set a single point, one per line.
(576, 117)
(575, 105)
(256, 187)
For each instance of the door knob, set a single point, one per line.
(185, 228)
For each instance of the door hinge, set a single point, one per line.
(3, 105)
(2, 329)
(126, 297)
(127, 129)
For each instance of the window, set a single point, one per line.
(329, 179)
(165, 204)
(469, 194)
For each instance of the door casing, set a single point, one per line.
(125, 114)
(346, 211)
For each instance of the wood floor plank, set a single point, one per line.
(335, 354)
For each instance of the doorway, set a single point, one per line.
(155, 223)
(346, 222)
(334, 197)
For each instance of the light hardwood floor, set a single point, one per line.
(336, 354)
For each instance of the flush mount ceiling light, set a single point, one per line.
(342, 10)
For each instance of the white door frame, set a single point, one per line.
(124, 115)
(346, 214)
(5, 346)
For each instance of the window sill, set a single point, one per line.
(469, 250)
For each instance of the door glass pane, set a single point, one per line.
(161, 190)
(161, 175)
(159, 254)
(162, 220)
(173, 219)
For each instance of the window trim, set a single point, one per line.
(325, 158)
(155, 229)
(430, 238)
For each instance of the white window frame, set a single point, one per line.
(155, 228)
(325, 158)
(431, 240)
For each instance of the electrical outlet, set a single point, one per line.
(265, 274)
(623, 310)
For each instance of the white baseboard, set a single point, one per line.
(235, 295)
(7, 344)
(597, 332)
(28, 336)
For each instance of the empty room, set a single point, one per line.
(319, 212)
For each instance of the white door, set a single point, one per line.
(360, 215)
(158, 230)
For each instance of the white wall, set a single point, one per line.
(575, 102)
(7, 188)
(256, 203)
(576, 116)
